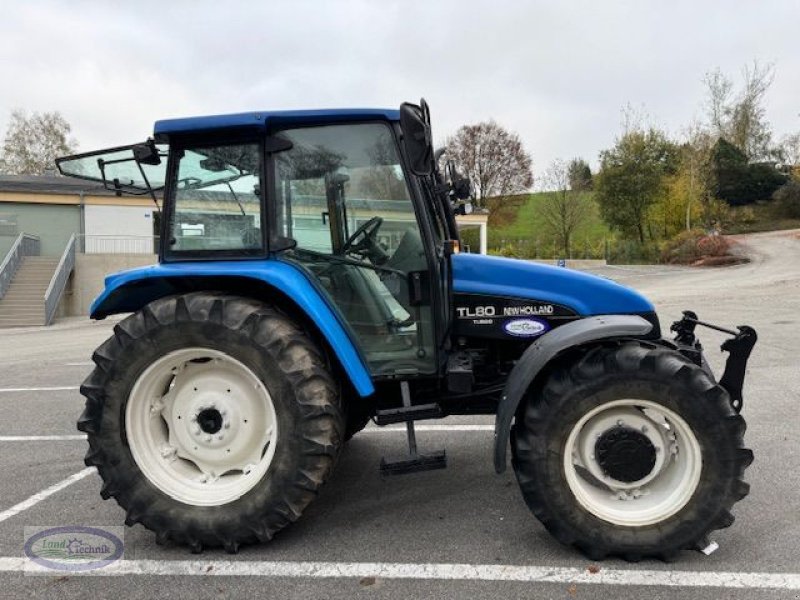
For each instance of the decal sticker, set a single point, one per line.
(529, 310)
(525, 327)
(470, 312)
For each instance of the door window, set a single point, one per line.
(344, 206)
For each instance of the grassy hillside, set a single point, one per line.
(527, 235)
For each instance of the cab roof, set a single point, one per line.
(261, 120)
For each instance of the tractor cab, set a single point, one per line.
(344, 196)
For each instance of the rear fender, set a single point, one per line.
(543, 351)
(129, 291)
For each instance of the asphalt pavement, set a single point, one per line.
(458, 533)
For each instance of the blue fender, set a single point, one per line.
(128, 291)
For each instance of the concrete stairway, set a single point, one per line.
(23, 304)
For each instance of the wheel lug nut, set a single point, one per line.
(196, 431)
(620, 422)
(208, 438)
(644, 428)
(227, 425)
(220, 437)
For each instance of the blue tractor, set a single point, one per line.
(310, 280)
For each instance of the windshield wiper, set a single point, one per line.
(235, 197)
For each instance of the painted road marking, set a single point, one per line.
(41, 438)
(444, 428)
(70, 388)
(430, 428)
(85, 363)
(44, 494)
(474, 572)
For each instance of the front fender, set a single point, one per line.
(129, 291)
(542, 351)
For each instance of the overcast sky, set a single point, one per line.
(558, 73)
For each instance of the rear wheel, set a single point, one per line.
(212, 420)
(631, 451)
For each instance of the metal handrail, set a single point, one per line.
(117, 244)
(58, 282)
(24, 245)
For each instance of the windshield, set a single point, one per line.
(117, 169)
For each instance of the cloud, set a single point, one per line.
(557, 73)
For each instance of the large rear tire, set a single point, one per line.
(212, 420)
(631, 451)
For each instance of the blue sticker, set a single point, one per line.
(525, 327)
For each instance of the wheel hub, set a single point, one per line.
(209, 420)
(632, 462)
(625, 454)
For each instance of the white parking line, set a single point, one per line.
(85, 363)
(46, 493)
(41, 438)
(430, 428)
(65, 388)
(437, 571)
(445, 428)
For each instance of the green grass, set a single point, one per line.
(528, 231)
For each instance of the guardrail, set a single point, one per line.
(117, 244)
(59, 281)
(24, 245)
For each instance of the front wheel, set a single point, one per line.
(212, 419)
(632, 450)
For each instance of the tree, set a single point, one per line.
(790, 154)
(579, 174)
(493, 159)
(740, 118)
(33, 143)
(739, 182)
(632, 179)
(565, 208)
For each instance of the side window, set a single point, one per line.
(217, 201)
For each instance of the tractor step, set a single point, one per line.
(415, 462)
(404, 414)
(423, 462)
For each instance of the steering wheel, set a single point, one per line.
(363, 242)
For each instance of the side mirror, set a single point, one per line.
(147, 153)
(417, 138)
(215, 165)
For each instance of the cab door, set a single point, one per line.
(343, 211)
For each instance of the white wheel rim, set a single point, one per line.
(201, 426)
(661, 493)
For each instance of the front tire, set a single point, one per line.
(212, 420)
(632, 451)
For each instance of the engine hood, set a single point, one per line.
(511, 278)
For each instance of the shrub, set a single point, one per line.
(508, 251)
(631, 252)
(787, 201)
(690, 246)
